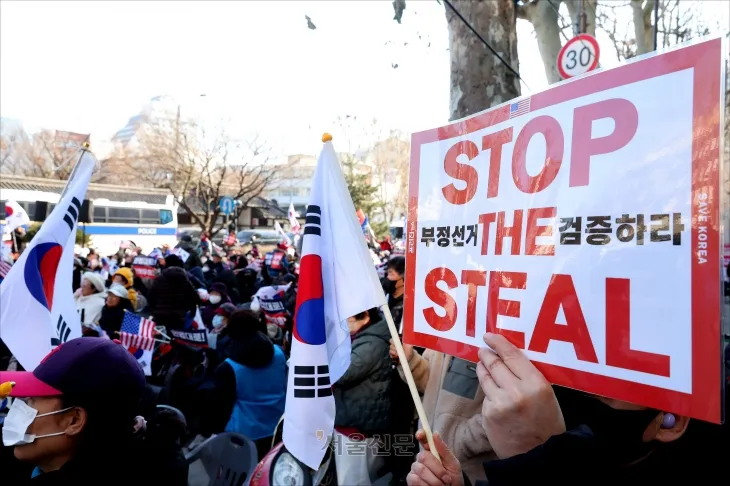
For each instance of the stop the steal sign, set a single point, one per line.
(583, 223)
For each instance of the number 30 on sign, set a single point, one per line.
(578, 56)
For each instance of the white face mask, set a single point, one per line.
(217, 321)
(16, 424)
(214, 299)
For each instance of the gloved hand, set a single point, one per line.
(5, 389)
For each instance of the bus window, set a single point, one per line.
(30, 209)
(123, 215)
(150, 216)
(165, 216)
(99, 214)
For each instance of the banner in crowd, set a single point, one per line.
(37, 308)
(144, 267)
(270, 300)
(583, 224)
(194, 338)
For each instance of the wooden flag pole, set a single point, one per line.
(410, 381)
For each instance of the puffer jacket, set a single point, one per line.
(90, 306)
(452, 400)
(171, 297)
(362, 394)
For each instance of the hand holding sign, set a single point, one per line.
(406, 347)
(520, 409)
(428, 470)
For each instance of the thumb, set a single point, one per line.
(448, 459)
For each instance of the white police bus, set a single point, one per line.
(115, 214)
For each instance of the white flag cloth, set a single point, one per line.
(334, 259)
(281, 231)
(293, 221)
(37, 308)
(15, 216)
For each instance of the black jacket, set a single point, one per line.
(83, 473)
(171, 297)
(194, 259)
(112, 317)
(576, 458)
(362, 394)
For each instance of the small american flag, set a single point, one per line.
(4, 268)
(519, 108)
(137, 332)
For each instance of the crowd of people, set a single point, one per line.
(235, 382)
(88, 412)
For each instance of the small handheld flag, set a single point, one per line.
(15, 216)
(137, 335)
(293, 221)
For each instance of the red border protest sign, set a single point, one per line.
(582, 59)
(583, 223)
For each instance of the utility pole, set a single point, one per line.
(177, 128)
(656, 24)
(582, 18)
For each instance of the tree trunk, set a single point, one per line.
(643, 32)
(478, 78)
(544, 19)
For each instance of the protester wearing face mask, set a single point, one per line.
(220, 320)
(394, 287)
(571, 438)
(73, 416)
(125, 278)
(217, 296)
(218, 337)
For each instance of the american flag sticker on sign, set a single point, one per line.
(519, 108)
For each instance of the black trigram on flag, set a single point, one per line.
(312, 381)
(313, 223)
(72, 213)
(63, 332)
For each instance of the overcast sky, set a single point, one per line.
(89, 66)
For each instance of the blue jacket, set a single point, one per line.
(260, 397)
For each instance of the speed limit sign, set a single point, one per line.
(578, 56)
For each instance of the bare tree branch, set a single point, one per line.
(47, 153)
(198, 168)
